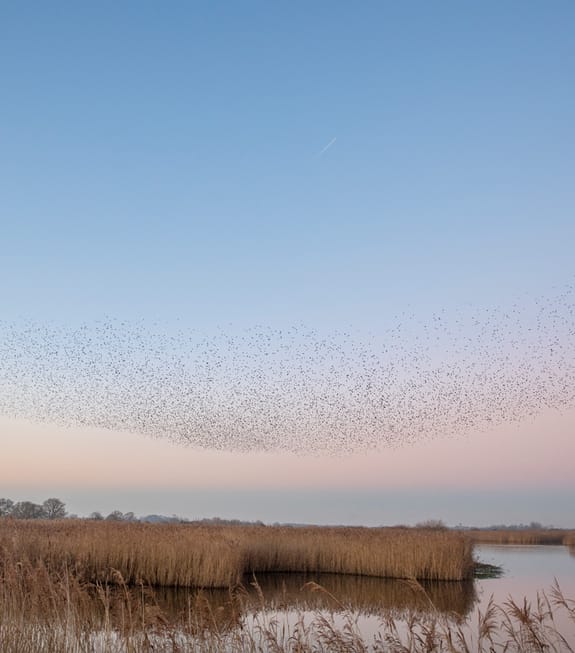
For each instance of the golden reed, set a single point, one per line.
(190, 555)
(63, 590)
(43, 612)
(523, 536)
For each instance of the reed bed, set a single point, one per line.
(170, 555)
(382, 552)
(186, 555)
(47, 613)
(523, 536)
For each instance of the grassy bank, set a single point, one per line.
(523, 536)
(187, 555)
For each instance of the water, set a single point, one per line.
(527, 570)
(350, 605)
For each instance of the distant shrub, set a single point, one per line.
(432, 524)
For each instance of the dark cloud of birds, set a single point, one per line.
(297, 389)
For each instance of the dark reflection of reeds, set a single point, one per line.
(215, 610)
(366, 595)
(221, 610)
(38, 584)
(358, 594)
(55, 612)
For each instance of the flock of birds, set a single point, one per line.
(296, 389)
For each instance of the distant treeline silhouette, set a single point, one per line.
(54, 508)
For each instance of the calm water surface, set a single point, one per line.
(527, 571)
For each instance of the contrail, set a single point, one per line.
(326, 148)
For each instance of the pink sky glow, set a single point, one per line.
(530, 454)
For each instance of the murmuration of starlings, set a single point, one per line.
(297, 389)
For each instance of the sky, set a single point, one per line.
(216, 166)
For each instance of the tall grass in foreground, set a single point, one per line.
(185, 555)
(43, 613)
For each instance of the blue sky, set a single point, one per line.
(164, 160)
(327, 164)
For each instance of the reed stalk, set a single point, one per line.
(187, 555)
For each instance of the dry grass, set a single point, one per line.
(183, 555)
(62, 591)
(382, 552)
(44, 613)
(523, 536)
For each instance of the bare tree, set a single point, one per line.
(27, 510)
(115, 515)
(6, 506)
(432, 524)
(54, 508)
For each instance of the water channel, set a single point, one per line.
(527, 570)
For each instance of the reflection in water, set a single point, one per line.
(364, 594)
(361, 595)
(221, 610)
(286, 609)
(369, 602)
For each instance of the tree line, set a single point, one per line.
(52, 508)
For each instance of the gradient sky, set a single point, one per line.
(207, 164)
